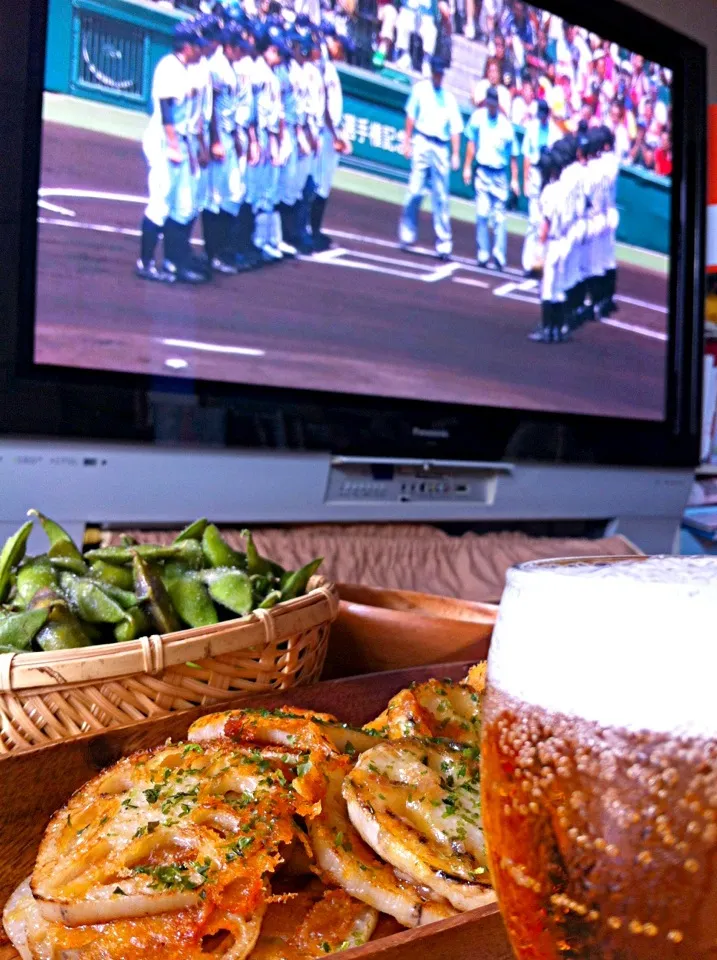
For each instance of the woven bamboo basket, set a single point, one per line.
(46, 697)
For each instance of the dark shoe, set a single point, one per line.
(221, 266)
(198, 263)
(185, 274)
(152, 272)
(541, 335)
(444, 257)
(321, 242)
(242, 263)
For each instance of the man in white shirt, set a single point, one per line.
(492, 79)
(333, 143)
(491, 141)
(540, 134)
(171, 182)
(525, 105)
(432, 144)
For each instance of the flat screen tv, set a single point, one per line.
(396, 229)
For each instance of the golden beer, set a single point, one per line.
(599, 756)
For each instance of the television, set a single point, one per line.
(278, 263)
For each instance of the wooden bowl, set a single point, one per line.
(396, 629)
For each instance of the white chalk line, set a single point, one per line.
(211, 347)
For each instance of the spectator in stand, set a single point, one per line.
(640, 82)
(490, 14)
(617, 123)
(663, 155)
(387, 14)
(492, 78)
(506, 61)
(420, 16)
(653, 128)
(518, 29)
(573, 54)
(641, 154)
(525, 104)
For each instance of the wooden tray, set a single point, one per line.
(379, 629)
(37, 782)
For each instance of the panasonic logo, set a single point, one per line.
(431, 434)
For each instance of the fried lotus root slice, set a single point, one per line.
(196, 934)
(417, 805)
(436, 708)
(344, 859)
(311, 924)
(164, 830)
(477, 676)
(289, 727)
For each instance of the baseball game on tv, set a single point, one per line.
(462, 201)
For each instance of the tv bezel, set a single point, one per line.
(104, 405)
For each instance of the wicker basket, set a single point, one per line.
(53, 696)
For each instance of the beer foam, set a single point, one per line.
(625, 644)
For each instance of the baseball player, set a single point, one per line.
(572, 227)
(491, 141)
(263, 176)
(171, 181)
(200, 121)
(227, 169)
(612, 171)
(290, 78)
(244, 254)
(432, 144)
(551, 297)
(296, 230)
(315, 123)
(333, 143)
(540, 133)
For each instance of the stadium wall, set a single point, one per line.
(106, 50)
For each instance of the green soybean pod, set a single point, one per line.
(233, 591)
(294, 584)
(63, 631)
(255, 562)
(192, 601)
(72, 564)
(270, 600)
(217, 551)
(12, 553)
(18, 630)
(151, 591)
(112, 574)
(33, 575)
(136, 624)
(193, 532)
(89, 601)
(61, 543)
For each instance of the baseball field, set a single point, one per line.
(364, 317)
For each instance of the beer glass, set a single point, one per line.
(599, 759)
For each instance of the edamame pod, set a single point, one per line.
(193, 532)
(232, 590)
(217, 551)
(294, 584)
(270, 600)
(61, 543)
(63, 631)
(33, 575)
(135, 624)
(78, 567)
(188, 552)
(89, 601)
(12, 553)
(255, 563)
(17, 630)
(112, 574)
(192, 601)
(151, 591)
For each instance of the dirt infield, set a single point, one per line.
(365, 317)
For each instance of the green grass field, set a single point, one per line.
(131, 124)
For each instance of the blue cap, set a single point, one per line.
(303, 20)
(438, 64)
(543, 109)
(491, 96)
(188, 32)
(209, 26)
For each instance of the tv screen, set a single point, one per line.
(429, 203)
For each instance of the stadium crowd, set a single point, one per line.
(533, 55)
